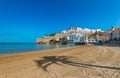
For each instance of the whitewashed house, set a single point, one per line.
(114, 34)
(77, 36)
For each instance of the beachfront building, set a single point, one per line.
(103, 36)
(114, 34)
(98, 36)
(92, 38)
(80, 36)
(77, 36)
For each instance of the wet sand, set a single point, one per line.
(76, 62)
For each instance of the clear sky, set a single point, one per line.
(26, 20)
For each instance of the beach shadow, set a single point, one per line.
(65, 60)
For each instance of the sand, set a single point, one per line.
(76, 62)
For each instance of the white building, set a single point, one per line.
(114, 33)
(77, 35)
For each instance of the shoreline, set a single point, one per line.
(34, 50)
(10, 53)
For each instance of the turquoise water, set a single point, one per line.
(24, 47)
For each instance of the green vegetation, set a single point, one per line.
(49, 35)
(53, 34)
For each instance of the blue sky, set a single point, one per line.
(26, 20)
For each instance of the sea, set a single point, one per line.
(26, 47)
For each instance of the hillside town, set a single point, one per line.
(81, 36)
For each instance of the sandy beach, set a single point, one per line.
(75, 62)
